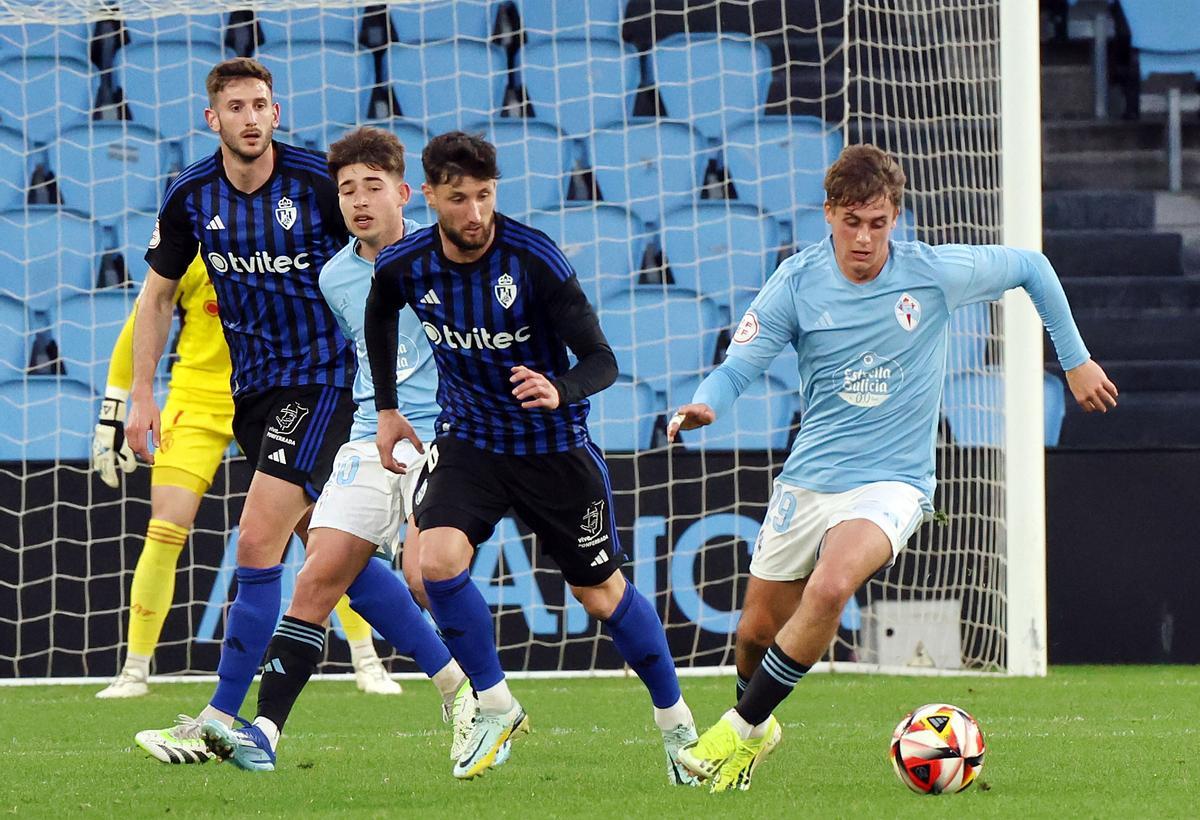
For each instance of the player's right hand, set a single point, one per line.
(689, 417)
(110, 450)
(392, 428)
(144, 420)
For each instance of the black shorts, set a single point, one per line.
(294, 433)
(565, 498)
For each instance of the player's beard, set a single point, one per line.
(231, 142)
(465, 245)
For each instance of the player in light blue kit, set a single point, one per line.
(362, 505)
(869, 319)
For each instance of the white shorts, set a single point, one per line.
(364, 499)
(790, 538)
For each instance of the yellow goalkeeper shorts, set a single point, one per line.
(193, 441)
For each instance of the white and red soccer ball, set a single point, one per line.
(937, 749)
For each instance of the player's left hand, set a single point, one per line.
(392, 427)
(533, 389)
(1091, 387)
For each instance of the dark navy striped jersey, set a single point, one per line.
(263, 251)
(482, 319)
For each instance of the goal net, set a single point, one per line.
(675, 151)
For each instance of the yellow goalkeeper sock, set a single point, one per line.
(154, 584)
(358, 631)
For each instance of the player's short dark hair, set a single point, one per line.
(238, 68)
(862, 174)
(456, 154)
(373, 147)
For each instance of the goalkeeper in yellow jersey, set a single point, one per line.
(197, 429)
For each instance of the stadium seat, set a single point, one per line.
(534, 164)
(721, 248)
(202, 30)
(419, 211)
(761, 418)
(318, 84)
(779, 162)
(86, 327)
(441, 20)
(580, 84)
(1166, 43)
(43, 248)
(661, 335)
(970, 330)
(973, 404)
(331, 25)
(46, 418)
(651, 167)
(164, 84)
(43, 95)
(133, 230)
(14, 168)
(808, 226)
(197, 145)
(14, 345)
(553, 19)
(623, 416)
(713, 81)
(107, 166)
(446, 85)
(42, 40)
(604, 244)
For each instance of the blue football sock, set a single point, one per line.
(252, 618)
(465, 622)
(385, 602)
(639, 637)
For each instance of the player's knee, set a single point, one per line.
(416, 585)
(756, 630)
(440, 565)
(258, 546)
(827, 595)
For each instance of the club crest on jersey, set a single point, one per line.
(908, 312)
(506, 291)
(285, 213)
(289, 417)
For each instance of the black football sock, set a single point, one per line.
(742, 683)
(771, 683)
(292, 656)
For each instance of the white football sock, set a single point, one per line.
(210, 712)
(739, 723)
(138, 663)
(497, 700)
(677, 714)
(269, 729)
(448, 679)
(362, 649)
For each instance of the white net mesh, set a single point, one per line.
(674, 150)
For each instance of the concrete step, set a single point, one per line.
(1073, 136)
(1142, 377)
(1113, 253)
(1116, 292)
(1083, 210)
(1130, 170)
(1140, 336)
(1066, 92)
(1141, 420)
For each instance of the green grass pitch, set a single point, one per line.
(1082, 742)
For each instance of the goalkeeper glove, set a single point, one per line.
(109, 448)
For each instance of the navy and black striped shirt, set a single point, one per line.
(263, 251)
(519, 304)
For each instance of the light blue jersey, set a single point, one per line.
(345, 282)
(872, 356)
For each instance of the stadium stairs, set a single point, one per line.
(1128, 253)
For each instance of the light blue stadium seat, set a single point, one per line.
(133, 230)
(331, 25)
(42, 40)
(441, 20)
(780, 162)
(1167, 41)
(661, 334)
(604, 244)
(721, 248)
(651, 167)
(580, 84)
(317, 84)
(46, 418)
(534, 164)
(414, 136)
(808, 226)
(973, 404)
(199, 29)
(970, 330)
(14, 342)
(1054, 407)
(106, 166)
(551, 19)
(447, 85)
(761, 418)
(14, 168)
(195, 146)
(86, 327)
(419, 211)
(164, 84)
(623, 416)
(44, 95)
(43, 249)
(712, 81)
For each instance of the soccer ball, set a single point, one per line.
(937, 748)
